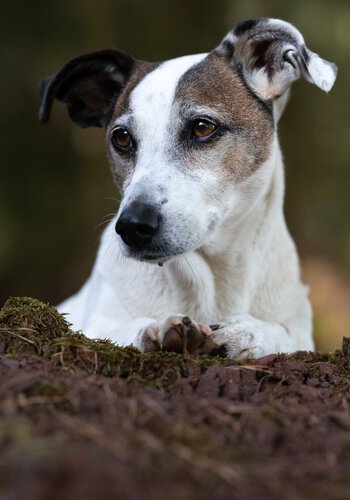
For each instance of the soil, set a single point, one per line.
(83, 419)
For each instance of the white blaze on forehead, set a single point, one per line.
(151, 100)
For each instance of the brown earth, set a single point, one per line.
(82, 419)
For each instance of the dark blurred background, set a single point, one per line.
(56, 188)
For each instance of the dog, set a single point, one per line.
(198, 258)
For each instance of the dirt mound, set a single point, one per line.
(83, 419)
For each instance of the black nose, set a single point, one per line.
(137, 224)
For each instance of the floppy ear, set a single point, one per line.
(272, 54)
(89, 85)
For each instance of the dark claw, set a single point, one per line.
(220, 351)
(214, 327)
(186, 321)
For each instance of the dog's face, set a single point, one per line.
(190, 141)
(180, 145)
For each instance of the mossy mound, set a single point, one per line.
(156, 369)
(28, 326)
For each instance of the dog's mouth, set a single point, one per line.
(152, 256)
(152, 259)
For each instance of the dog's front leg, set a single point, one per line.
(242, 336)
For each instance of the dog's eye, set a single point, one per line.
(202, 129)
(121, 139)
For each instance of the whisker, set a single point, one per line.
(105, 220)
(116, 200)
(109, 249)
(189, 265)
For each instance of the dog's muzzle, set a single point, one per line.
(138, 224)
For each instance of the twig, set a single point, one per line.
(5, 330)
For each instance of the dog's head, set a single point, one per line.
(191, 141)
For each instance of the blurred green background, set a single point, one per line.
(56, 187)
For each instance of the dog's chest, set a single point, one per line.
(188, 286)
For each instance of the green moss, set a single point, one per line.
(156, 369)
(28, 326)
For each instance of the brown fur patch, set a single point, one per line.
(215, 84)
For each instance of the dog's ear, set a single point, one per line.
(89, 85)
(272, 54)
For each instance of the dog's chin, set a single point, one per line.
(151, 259)
(159, 259)
(151, 256)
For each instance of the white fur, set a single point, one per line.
(238, 265)
(322, 73)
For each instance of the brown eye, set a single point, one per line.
(121, 139)
(202, 129)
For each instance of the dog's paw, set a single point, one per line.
(241, 337)
(178, 334)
